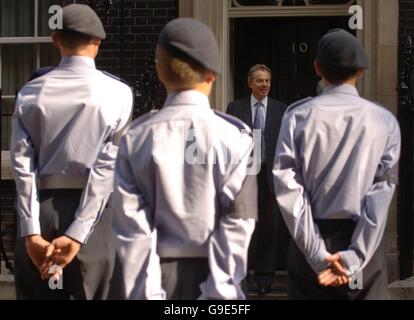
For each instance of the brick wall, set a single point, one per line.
(406, 17)
(143, 21)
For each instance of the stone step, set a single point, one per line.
(402, 290)
(278, 291)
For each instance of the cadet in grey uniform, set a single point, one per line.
(65, 131)
(335, 174)
(185, 208)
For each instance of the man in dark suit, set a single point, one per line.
(268, 248)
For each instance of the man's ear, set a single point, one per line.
(210, 77)
(55, 40)
(360, 73)
(317, 67)
(96, 41)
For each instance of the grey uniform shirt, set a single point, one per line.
(65, 124)
(334, 160)
(173, 180)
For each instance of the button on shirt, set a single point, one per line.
(172, 180)
(66, 123)
(334, 160)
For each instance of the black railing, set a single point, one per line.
(149, 93)
(3, 230)
(406, 190)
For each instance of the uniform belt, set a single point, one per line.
(183, 252)
(61, 182)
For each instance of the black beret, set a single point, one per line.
(82, 19)
(340, 49)
(193, 39)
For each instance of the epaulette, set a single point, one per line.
(233, 120)
(124, 82)
(116, 78)
(298, 103)
(40, 72)
(142, 119)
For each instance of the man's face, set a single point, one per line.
(260, 84)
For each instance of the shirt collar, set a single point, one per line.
(253, 101)
(187, 97)
(342, 88)
(77, 61)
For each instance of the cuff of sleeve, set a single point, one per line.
(350, 261)
(318, 262)
(29, 227)
(79, 231)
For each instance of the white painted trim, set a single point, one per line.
(36, 18)
(37, 48)
(0, 71)
(6, 166)
(299, 11)
(11, 40)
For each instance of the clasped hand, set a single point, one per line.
(335, 274)
(44, 254)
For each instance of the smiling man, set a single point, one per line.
(262, 113)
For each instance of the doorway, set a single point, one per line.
(287, 45)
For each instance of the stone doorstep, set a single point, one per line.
(7, 289)
(399, 290)
(402, 290)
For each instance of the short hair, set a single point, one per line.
(335, 75)
(181, 68)
(73, 40)
(257, 67)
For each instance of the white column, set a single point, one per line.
(214, 14)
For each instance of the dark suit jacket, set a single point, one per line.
(242, 109)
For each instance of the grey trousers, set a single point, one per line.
(89, 274)
(181, 277)
(302, 280)
(268, 247)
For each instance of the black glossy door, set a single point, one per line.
(287, 45)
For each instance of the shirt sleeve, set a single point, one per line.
(228, 245)
(23, 157)
(136, 236)
(370, 227)
(293, 198)
(100, 181)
